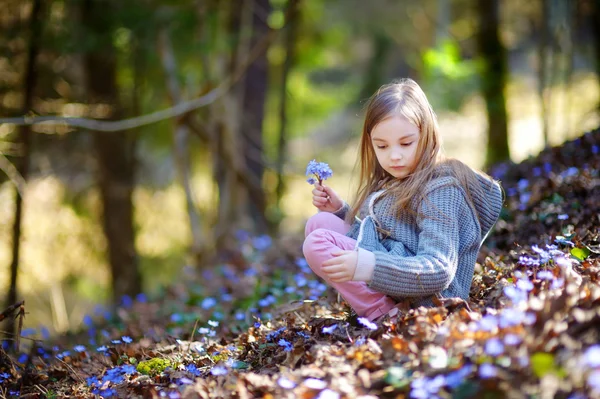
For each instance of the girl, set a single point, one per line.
(419, 219)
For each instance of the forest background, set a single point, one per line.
(95, 211)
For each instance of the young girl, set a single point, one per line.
(419, 219)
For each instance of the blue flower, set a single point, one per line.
(218, 370)
(127, 339)
(329, 329)
(193, 369)
(320, 170)
(563, 216)
(488, 322)
(515, 294)
(591, 357)
(456, 378)
(126, 301)
(494, 347)
(545, 275)
(487, 370)
(286, 383)
(287, 346)
(524, 284)
(208, 303)
(593, 380)
(102, 348)
(176, 318)
(28, 331)
(79, 348)
(141, 298)
(511, 317)
(262, 243)
(512, 339)
(365, 322)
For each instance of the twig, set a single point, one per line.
(10, 310)
(192, 336)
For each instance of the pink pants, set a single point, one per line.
(324, 234)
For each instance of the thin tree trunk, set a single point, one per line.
(113, 150)
(255, 91)
(25, 143)
(596, 33)
(543, 68)
(181, 146)
(290, 41)
(493, 80)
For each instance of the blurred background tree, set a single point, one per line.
(101, 216)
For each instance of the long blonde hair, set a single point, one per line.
(405, 98)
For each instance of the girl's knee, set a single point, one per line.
(319, 221)
(313, 245)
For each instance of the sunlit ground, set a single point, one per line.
(63, 271)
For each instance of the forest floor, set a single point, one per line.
(261, 325)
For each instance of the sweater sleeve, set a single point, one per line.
(341, 213)
(434, 266)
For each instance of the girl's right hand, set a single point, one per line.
(325, 199)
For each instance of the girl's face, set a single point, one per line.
(395, 142)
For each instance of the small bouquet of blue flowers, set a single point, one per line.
(318, 171)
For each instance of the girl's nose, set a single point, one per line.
(396, 155)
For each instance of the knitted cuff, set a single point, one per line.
(365, 265)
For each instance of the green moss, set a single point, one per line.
(153, 366)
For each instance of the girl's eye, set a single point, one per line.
(381, 147)
(407, 144)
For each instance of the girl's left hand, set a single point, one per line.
(341, 268)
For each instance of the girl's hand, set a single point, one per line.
(325, 199)
(341, 268)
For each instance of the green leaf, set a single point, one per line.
(542, 364)
(580, 253)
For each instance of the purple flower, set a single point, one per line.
(488, 322)
(515, 294)
(524, 284)
(545, 275)
(365, 322)
(317, 171)
(591, 357)
(512, 339)
(487, 370)
(494, 347)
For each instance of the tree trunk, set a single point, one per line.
(543, 68)
(493, 80)
(114, 153)
(255, 91)
(25, 143)
(290, 42)
(181, 146)
(596, 32)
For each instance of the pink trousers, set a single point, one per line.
(325, 233)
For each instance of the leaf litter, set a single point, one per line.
(260, 324)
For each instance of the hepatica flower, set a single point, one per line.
(317, 172)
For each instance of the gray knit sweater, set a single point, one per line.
(433, 252)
